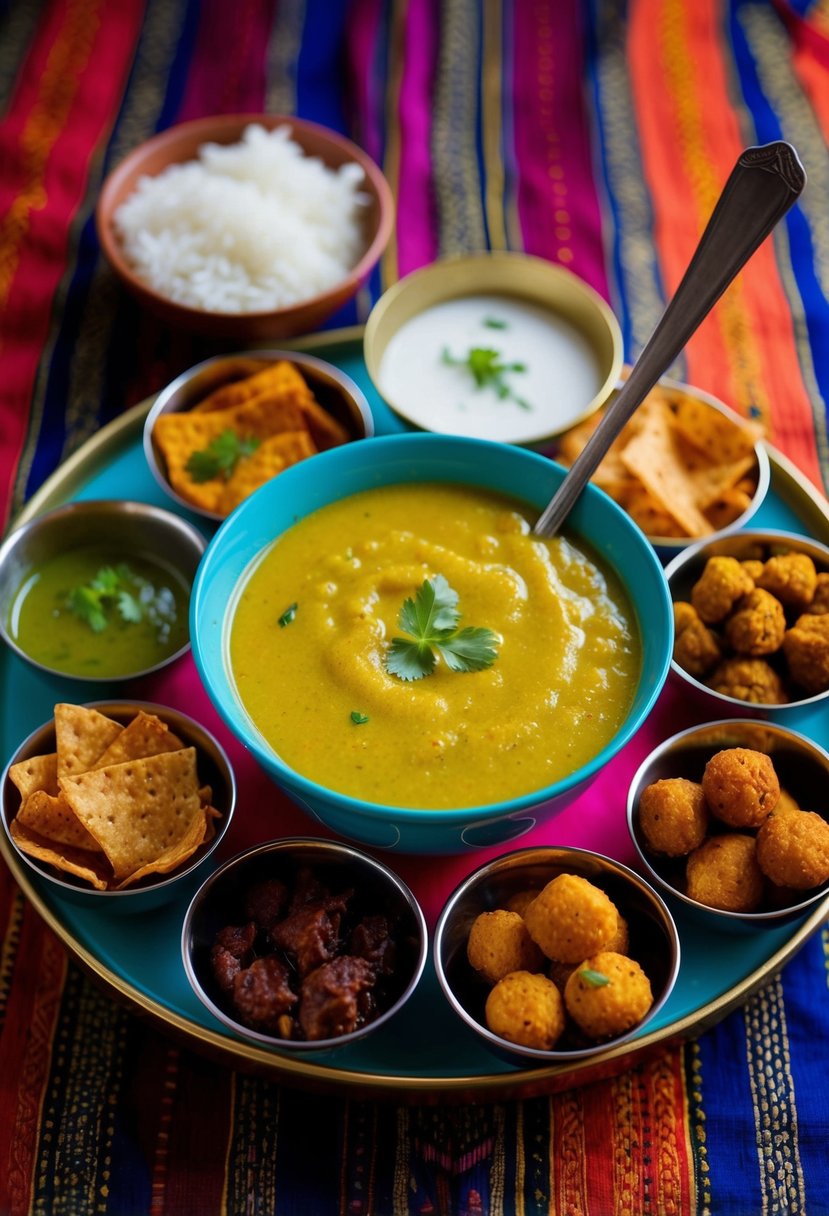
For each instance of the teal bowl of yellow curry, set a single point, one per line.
(404, 658)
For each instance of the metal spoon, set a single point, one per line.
(763, 185)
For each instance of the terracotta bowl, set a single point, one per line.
(180, 144)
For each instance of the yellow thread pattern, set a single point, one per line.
(550, 153)
(664, 1134)
(58, 85)
(698, 1151)
(626, 1145)
(492, 111)
(403, 1183)
(9, 948)
(773, 1101)
(571, 1185)
(252, 1157)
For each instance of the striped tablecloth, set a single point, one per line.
(597, 135)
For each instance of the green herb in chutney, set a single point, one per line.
(487, 369)
(221, 456)
(431, 619)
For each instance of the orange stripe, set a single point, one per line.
(745, 351)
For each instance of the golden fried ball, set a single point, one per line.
(722, 582)
(806, 647)
(498, 943)
(786, 803)
(753, 567)
(723, 873)
(820, 600)
(791, 577)
(520, 900)
(571, 918)
(740, 786)
(673, 816)
(697, 648)
(757, 624)
(620, 941)
(684, 614)
(751, 680)
(526, 1009)
(793, 849)
(603, 1009)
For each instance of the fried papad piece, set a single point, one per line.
(138, 810)
(326, 431)
(276, 379)
(82, 735)
(145, 735)
(36, 773)
(90, 867)
(174, 854)
(654, 457)
(271, 457)
(725, 440)
(51, 817)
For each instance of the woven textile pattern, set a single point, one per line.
(593, 133)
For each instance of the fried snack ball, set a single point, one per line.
(527, 1009)
(723, 873)
(521, 900)
(603, 1009)
(696, 647)
(753, 567)
(673, 816)
(748, 680)
(740, 786)
(498, 943)
(571, 918)
(791, 578)
(723, 581)
(820, 600)
(684, 614)
(806, 647)
(793, 849)
(757, 624)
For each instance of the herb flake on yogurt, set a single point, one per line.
(491, 366)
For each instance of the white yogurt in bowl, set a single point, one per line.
(490, 366)
(499, 346)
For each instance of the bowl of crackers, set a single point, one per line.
(554, 953)
(751, 620)
(731, 820)
(117, 802)
(228, 425)
(685, 467)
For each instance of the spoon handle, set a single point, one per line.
(762, 186)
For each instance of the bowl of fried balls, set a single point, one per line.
(303, 944)
(552, 954)
(732, 819)
(751, 620)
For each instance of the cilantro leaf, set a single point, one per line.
(359, 719)
(495, 323)
(221, 456)
(287, 616)
(116, 589)
(596, 979)
(85, 603)
(431, 619)
(488, 371)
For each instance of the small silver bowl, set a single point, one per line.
(802, 767)
(654, 941)
(128, 528)
(687, 567)
(334, 391)
(219, 903)
(214, 769)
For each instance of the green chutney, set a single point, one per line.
(98, 614)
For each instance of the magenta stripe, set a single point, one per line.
(365, 82)
(557, 202)
(417, 235)
(220, 82)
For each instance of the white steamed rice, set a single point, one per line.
(248, 227)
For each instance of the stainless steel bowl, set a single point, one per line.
(128, 527)
(154, 891)
(333, 389)
(654, 941)
(802, 767)
(686, 568)
(218, 903)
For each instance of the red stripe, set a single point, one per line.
(62, 110)
(229, 62)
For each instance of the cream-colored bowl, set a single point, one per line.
(415, 329)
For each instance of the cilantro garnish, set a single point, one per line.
(488, 371)
(495, 323)
(117, 591)
(287, 616)
(596, 979)
(431, 619)
(357, 718)
(221, 456)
